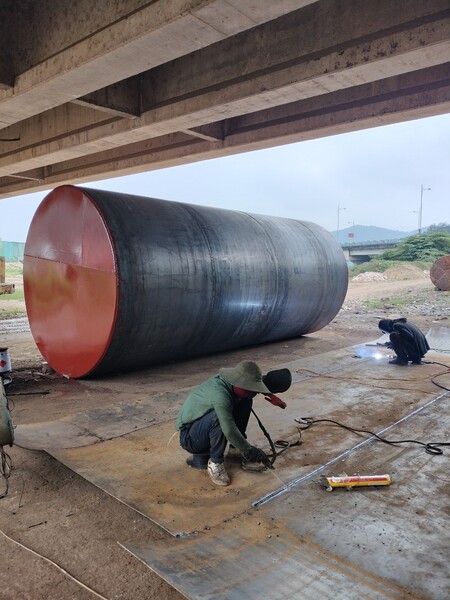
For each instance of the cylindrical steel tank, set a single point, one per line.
(114, 281)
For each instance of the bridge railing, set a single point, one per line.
(374, 244)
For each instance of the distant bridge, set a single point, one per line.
(364, 251)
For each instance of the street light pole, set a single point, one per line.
(422, 190)
(337, 229)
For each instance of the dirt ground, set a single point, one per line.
(59, 516)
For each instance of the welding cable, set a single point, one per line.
(51, 562)
(430, 447)
(6, 465)
(269, 439)
(365, 380)
(446, 372)
(283, 444)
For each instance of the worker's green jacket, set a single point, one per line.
(214, 394)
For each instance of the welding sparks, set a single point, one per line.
(364, 352)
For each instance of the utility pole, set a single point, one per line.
(422, 190)
(337, 229)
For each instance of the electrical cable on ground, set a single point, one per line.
(6, 465)
(430, 447)
(55, 565)
(446, 372)
(424, 362)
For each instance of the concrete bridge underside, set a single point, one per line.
(90, 90)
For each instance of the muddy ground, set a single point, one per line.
(60, 516)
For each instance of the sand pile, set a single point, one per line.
(405, 271)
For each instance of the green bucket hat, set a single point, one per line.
(246, 375)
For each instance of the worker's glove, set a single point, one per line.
(254, 454)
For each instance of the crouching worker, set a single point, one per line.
(217, 412)
(406, 339)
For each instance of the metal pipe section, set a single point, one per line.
(114, 281)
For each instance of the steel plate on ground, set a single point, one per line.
(373, 543)
(147, 472)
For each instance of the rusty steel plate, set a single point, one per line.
(375, 543)
(147, 469)
(280, 530)
(254, 558)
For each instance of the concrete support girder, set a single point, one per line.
(121, 99)
(323, 68)
(173, 109)
(125, 44)
(381, 103)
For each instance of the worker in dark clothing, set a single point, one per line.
(406, 339)
(217, 412)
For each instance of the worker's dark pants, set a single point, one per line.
(204, 436)
(404, 349)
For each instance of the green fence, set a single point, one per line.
(12, 251)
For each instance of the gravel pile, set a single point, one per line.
(16, 325)
(430, 303)
(369, 276)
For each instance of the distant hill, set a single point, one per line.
(368, 233)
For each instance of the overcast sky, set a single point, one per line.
(373, 176)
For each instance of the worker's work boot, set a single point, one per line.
(198, 461)
(397, 361)
(218, 474)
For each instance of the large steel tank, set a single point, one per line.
(114, 281)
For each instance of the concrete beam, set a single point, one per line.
(142, 85)
(406, 97)
(124, 44)
(122, 99)
(213, 132)
(6, 43)
(381, 103)
(322, 39)
(193, 92)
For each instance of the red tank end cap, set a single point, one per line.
(70, 281)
